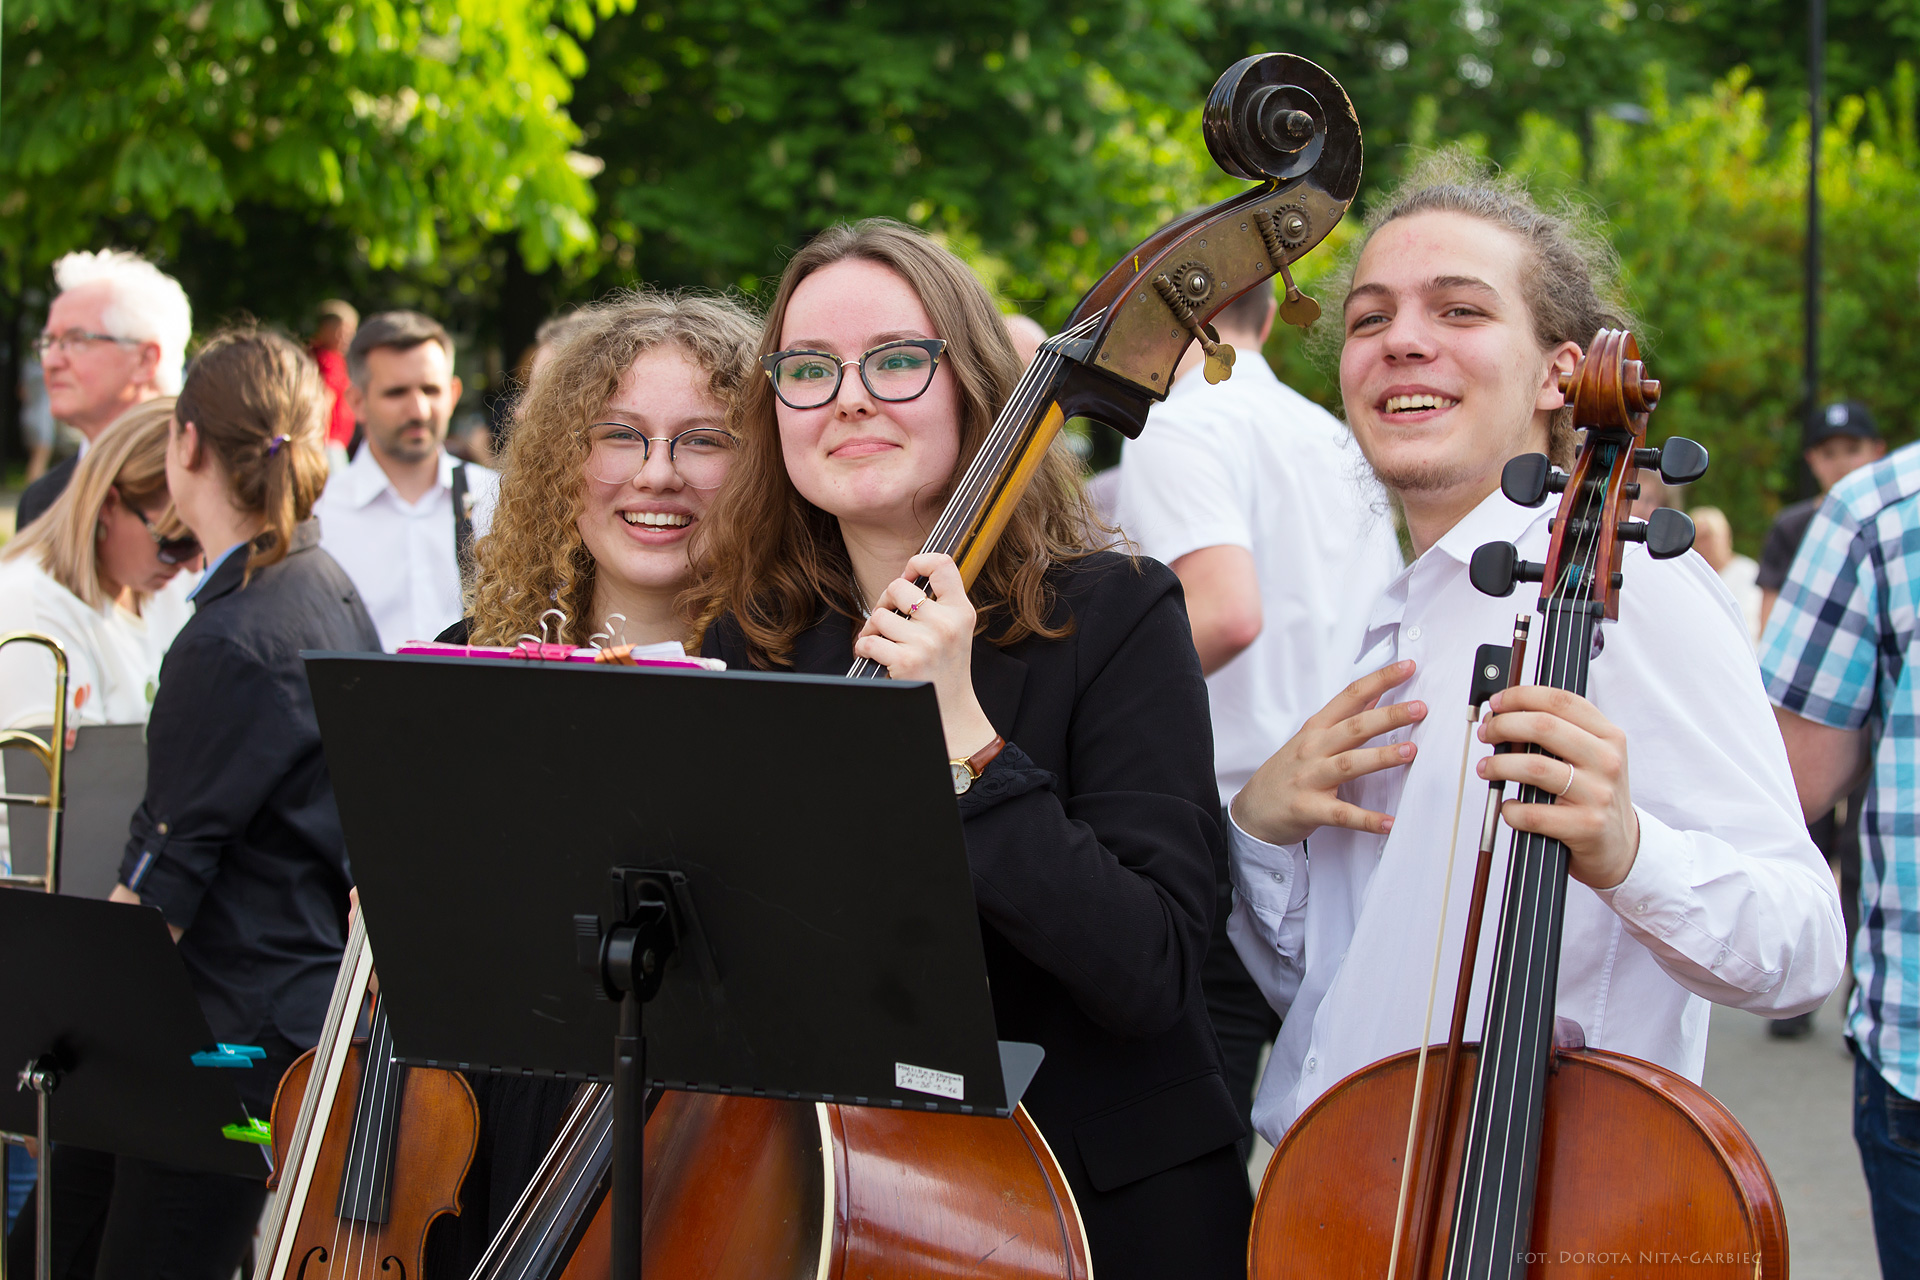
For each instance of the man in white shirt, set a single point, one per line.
(1692, 877)
(1261, 503)
(395, 516)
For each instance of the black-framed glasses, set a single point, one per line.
(620, 452)
(165, 550)
(72, 338)
(893, 371)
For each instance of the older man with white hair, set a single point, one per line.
(116, 335)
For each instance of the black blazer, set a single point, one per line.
(1092, 855)
(238, 841)
(41, 494)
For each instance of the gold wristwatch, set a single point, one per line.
(967, 768)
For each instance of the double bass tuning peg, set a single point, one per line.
(1529, 478)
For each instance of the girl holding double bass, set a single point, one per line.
(1072, 702)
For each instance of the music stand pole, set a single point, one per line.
(42, 1076)
(628, 958)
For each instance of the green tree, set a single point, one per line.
(1048, 136)
(1705, 204)
(413, 128)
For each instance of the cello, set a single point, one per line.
(367, 1153)
(737, 1186)
(1527, 1154)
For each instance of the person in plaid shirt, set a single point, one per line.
(1838, 659)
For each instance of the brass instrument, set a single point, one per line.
(51, 752)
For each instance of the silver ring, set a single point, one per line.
(1562, 794)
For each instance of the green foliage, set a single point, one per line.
(1706, 207)
(415, 130)
(1039, 132)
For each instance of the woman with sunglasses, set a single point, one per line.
(1073, 706)
(619, 446)
(93, 573)
(237, 840)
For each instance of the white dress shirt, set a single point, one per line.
(113, 656)
(1250, 462)
(1727, 901)
(398, 553)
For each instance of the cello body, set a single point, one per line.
(432, 1146)
(763, 1189)
(1642, 1173)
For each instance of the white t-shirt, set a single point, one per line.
(113, 656)
(1252, 463)
(400, 554)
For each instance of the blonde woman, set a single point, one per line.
(94, 574)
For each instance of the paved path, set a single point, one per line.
(1796, 1098)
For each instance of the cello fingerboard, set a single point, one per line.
(1493, 1216)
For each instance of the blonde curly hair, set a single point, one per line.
(533, 559)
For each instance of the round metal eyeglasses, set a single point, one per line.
(893, 372)
(620, 452)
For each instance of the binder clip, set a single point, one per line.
(229, 1055)
(259, 1132)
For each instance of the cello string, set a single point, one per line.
(1527, 882)
(1433, 987)
(383, 1153)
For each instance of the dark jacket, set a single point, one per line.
(1091, 842)
(238, 841)
(38, 496)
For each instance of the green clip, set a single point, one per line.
(255, 1131)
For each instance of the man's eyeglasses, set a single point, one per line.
(165, 550)
(620, 453)
(893, 372)
(48, 342)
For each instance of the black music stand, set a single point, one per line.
(96, 1003)
(105, 778)
(787, 846)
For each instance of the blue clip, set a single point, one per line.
(229, 1055)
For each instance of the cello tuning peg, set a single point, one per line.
(1667, 533)
(1682, 461)
(1529, 478)
(1496, 567)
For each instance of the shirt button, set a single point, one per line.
(1413, 633)
(1279, 877)
(1722, 958)
(163, 828)
(1639, 908)
(1313, 1064)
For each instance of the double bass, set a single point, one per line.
(1527, 1154)
(766, 1187)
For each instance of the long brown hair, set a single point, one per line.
(259, 406)
(130, 456)
(770, 557)
(534, 559)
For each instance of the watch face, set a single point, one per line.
(962, 776)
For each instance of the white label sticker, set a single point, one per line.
(942, 1084)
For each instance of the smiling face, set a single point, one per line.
(1441, 374)
(875, 464)
(637, 531)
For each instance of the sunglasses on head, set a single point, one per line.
(165, 550)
